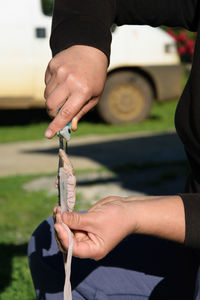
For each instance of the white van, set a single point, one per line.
(144, 63)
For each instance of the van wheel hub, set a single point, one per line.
(126, 102)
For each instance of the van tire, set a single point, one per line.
(127, 98)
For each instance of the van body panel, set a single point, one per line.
(142, 46)
(16, 53)
(25, 53)
(167, 81)
(23, 56)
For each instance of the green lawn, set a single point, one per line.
(160, 119)
(20, 213)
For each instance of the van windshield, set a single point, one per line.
(47, 7)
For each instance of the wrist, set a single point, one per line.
(92, 52)
(160, 216)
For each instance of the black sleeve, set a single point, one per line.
(88, 22)
(82, 22)
(191, 202)
(173, 13)
(192, 219)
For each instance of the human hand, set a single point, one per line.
(110, 220)
(74, 79)
(99, 230)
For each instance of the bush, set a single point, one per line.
(185, 43)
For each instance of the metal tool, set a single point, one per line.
(64, 136)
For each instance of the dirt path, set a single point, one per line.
(120, 165)
(89, 152)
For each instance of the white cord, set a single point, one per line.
(67, 182)
(67, 264)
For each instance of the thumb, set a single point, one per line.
(77, 221)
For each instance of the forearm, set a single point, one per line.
(163, 217)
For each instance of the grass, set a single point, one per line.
(20, 213)
(160, 119)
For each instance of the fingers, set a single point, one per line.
(87, 107)
(62, 237)
(74, 78)
(86, 243)
(54, 213)
(71, 108)
(89, 247)
(78, 221)
(57, 227)
(59, 92)
(47, 76)
(50, 85)
(75, 221)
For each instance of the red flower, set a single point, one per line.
(191, 51)
(190, 44)
(182, 50)
(182, 37)
(185, 43)
(171, 32)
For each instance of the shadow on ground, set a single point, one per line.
(147, 164)
(10, 117)
(7, 253)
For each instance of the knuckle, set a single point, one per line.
(73, 218)
(58, 218)
(65, 113)
(80, 84)
(49, 105)
(85, 90)
(46, 93)
(61, 72)
(72, 78)
(52, 65)
(51, 108)
(77, 219)
(51, 113)
(69, 219)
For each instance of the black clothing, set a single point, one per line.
(88, 22)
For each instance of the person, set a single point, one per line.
(136, 247)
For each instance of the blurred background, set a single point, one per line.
(126, 146)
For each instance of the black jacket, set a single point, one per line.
(88, 22)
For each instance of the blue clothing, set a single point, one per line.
(139, 268)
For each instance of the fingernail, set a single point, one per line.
(48, 133)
